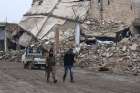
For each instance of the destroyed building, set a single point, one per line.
(46, 17)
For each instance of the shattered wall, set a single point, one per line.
(114, 10)
(137, 8)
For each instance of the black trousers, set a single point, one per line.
(50, 71)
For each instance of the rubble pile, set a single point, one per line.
(104, 26)
(11, 56)
(93, 31)
(96, 28)
(123, 57)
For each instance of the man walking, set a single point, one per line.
(50, 69)
(68, 64)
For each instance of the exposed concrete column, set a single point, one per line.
(56, 46)
(5, 42)
(5, 37)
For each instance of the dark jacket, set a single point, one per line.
(69, 58)
(51, 58)
(51, 61)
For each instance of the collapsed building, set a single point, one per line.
(98, 21)
(44, 20)
(49, 17)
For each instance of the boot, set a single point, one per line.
(55, 81)
(64, 77)
(72, 81)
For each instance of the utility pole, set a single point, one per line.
(5, 37)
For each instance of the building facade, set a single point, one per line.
(114, 10)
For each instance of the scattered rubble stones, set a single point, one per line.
(121, 58)
(11, 56)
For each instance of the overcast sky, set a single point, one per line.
(13, 9)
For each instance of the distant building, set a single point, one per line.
(11, 30)
(2, 36)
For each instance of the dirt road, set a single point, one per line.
(15, 79)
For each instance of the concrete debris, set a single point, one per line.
(11, 56)
(93, 32)
(121, 58)
(106, 45)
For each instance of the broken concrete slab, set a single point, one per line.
(25, 39)
(42, 19)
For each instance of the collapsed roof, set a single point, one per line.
(43, 17)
